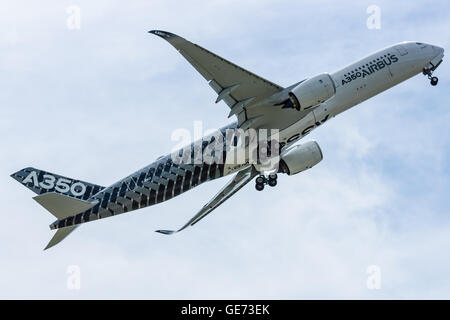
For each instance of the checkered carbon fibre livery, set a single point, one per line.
(158, 182)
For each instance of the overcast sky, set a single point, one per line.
(100, 102)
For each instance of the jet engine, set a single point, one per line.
(311, 92)
(300, 157)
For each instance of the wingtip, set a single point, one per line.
(162, 34)
(167, 232)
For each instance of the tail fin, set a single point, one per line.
(61, 196)
(40, 182)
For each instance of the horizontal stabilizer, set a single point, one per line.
(62, 206)
(60, 235)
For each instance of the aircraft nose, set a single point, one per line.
(438, 50)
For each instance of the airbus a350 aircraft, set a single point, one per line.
(258, 104)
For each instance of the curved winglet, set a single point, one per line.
(168, 232)
(162, 34)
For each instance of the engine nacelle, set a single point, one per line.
(312, 92)
(300, 157)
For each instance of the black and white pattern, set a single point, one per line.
(158, 182)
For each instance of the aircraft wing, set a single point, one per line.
(239, 180)
(237, 87)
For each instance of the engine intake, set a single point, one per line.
(312, 92)
(300, 157)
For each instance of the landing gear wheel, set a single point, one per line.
(260, 180)
(273, 176)
(259, 186)
(434, 81)
(272, 182)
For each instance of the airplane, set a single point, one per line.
(258, 104)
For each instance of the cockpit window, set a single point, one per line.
(422, 45)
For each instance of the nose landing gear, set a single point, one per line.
(262, 180)
(434, 81)
(429, 72)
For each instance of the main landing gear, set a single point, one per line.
(429, 72)
(262, 180)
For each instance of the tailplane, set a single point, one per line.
(59, 236)
(63, 197)
(61, 207)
